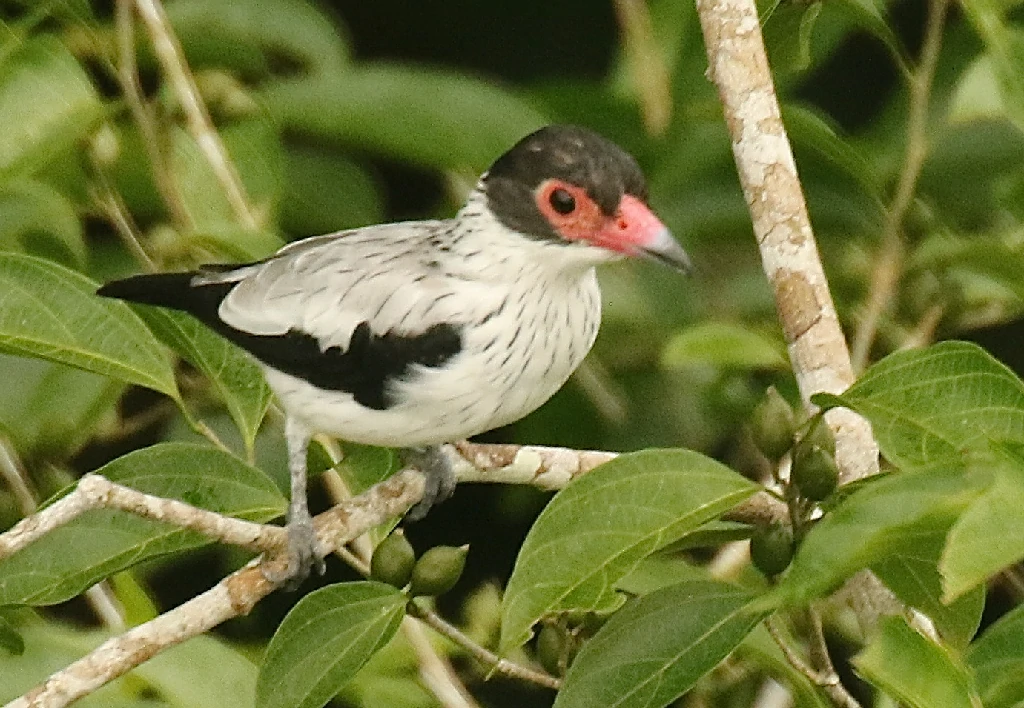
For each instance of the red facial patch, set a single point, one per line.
(576, 217)
(573, 214)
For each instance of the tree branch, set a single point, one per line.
(235, 595)
(821, 362)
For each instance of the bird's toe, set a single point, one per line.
(303, 556)
(439, 479)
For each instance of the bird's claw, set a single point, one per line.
(303, 556)
(439, 478)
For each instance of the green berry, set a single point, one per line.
(772, 425)
(552, 646)
(437, 570)
(819, 435)
(393, 560)
(814, 473)
(771, 549)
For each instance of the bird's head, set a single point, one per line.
(568, 185)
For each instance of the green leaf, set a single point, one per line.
(971, 556)
(997, 659)
(1005, 44)
(761, 649)
(930, 404)
(101, 542)
(47, 104)
(429, 117)
(236, 376)
(38, 220)
(10, 640)
(254, 146)
(911, 571)
(880, 519)
(914, 670)
(281, 33)
(872, 16)
(50, 312)
(325, 639)
(596, 531)
(658, 646)
(314, 177)
(204, 672)
(726, 345)
(51, 410)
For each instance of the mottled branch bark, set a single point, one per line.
(738, 66)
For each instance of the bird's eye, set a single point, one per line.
(562, 202)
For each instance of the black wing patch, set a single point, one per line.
(365, 369)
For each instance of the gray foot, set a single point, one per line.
(302, 544)
(440, 477)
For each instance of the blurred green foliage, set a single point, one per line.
(337, 116)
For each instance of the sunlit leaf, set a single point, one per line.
(101, 542)
(915, 670)
(930, 404)
(657, 646)
(53, 313)
(325, 640)
(601, 526)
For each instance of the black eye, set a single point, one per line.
(562, 202)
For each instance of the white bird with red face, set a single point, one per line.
(415, 334)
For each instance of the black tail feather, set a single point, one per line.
(173, 290)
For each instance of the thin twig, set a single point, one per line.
(234, 596)
(149, 128)
(826, 678)
(114, 208)
(889, 262)
(436, 672)
(481, 653)
(172, 60)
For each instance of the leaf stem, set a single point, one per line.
(824, 677)
(478, 651)
(889, 268)
(200, 125)
(152, 136)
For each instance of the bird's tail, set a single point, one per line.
(188, 292)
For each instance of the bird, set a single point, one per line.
(414, 334)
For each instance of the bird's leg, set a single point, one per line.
(440, 477)
(302, 543)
